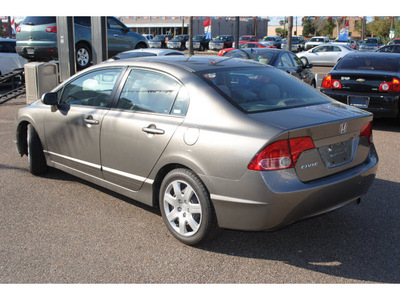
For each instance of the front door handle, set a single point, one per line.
(89, 120)
(152, 129)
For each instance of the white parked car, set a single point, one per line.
(316, 41)
(327, 54)
(9, 59)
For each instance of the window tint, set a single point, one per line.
(285, 61)
(38, 20)
(93, 89)
(262, 89)
(149, 91)
(296, 60)
(114, 24)
(84, 21)
(7, 47)
(369, 62)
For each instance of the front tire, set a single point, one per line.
(36, 160)
(186, 207)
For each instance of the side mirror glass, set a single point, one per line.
(50, 99)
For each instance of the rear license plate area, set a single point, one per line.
(337, 154)
(358, 101)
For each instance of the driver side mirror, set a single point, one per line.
(50, 98)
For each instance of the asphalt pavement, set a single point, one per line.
(61, 229)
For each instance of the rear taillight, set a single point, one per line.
(330, 83)
(281, 154)
(367, 132)
(18, 29)
(51, 29)
(391, 86)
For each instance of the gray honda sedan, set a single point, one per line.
(213, 142)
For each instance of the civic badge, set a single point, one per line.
(343, 128)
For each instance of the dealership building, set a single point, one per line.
(180, 25)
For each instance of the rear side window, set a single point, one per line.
(262, 89)
(369, 62)
(7, 47)
(38, 20)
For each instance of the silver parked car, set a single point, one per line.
(326, 55)
(214, 142)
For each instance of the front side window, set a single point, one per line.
(153, 92)
(92, 89)
(285, 61)
(261, 89)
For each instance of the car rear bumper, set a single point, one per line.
(381, 105)
(269, 200)
(46, 52)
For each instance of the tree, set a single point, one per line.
(282, 32)
(315, 27)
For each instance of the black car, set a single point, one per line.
(160, 41)
(281, 59)
(222, 42)
(370, 81)
(200, 42)
(178, 42)
(394, 48)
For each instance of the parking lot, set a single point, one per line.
(60, 229)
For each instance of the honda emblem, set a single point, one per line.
(343, 128)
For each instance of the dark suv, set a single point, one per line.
(37, 39)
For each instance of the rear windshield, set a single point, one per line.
(262, 89)
(38, 20)
(369, 62)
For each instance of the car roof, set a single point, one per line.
(196, 63)
(7, 39)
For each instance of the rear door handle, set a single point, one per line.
(152, 129)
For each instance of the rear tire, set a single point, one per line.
(36, 160)
(186, 207)
(83, 56)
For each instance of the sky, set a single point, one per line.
(273, 9)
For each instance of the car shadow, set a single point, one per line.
(360, 242)
(385, 124)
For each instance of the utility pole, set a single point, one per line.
(191, 52)
(237, 32)
(289, 37)
(364, 20)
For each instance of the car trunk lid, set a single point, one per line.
(336, 132)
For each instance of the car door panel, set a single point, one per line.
(73, 137)
(131, 144)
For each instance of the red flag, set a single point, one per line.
(207, 23)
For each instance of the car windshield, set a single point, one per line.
(396, 42)
(180, 38)
(269, 39)
(260, 89)
(159, 38)
(316, 39)
(221, 38)
(38, 20)
(369, 62)
(198, 38)
(244, 38)
(370, 41)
